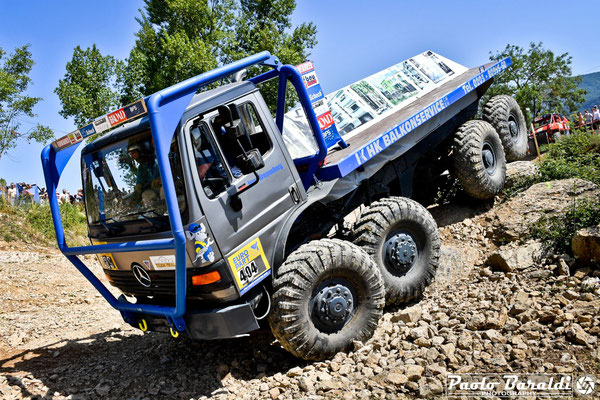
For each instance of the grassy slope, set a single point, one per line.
(31, 225)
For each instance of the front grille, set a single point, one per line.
(163, 282)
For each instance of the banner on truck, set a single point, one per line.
(360, 104)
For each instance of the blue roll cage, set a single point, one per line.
(165, 110)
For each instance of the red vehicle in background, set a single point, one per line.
(548, 129)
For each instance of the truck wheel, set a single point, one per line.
(505, 115)
(479, 161)
(327, 294)
(403, 239)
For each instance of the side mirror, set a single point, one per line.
(250, 162)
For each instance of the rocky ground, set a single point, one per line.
(490, 309)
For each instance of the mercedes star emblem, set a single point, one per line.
(141, 275)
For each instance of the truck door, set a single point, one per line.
(245, 235)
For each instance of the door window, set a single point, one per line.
(209, 163)
(220, 137)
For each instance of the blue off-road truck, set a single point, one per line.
(210, 214)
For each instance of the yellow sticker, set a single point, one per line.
(248, 264)
(106, 260)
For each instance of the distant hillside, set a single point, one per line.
(591, 83)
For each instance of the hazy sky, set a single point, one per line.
(356, 38)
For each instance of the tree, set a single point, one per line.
(267, 25)
(14, 103)
(538, 80)
(90, 86)
(177, 39)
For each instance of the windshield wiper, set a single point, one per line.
(110, 228)
(151, 221)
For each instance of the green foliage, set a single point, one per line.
(32, 223)
(557, 231)
(266, 25)
(539, 80)
(179, 39)
(14, 104)
(573, 156)
(89, 88)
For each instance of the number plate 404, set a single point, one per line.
(248, 264)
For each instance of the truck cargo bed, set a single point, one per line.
(395, 125)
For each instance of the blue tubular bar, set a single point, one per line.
(165, 109)
(290, 72)
(312, 162)
(158, 244)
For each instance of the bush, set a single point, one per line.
(573, 156)
(558, 231)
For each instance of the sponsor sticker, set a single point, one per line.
(325, 120)
(248, 264)
(117, 117)
(163, 262)
(87, 130)
(62, 142)
(135, 109)
(101, 124)
(310, 79)
(319, 104)
(305, 67)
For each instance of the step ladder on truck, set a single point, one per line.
(208, 219)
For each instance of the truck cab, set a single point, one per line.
(232, 211)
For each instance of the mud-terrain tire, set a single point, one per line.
(327, 294)
(403, 239)
(505, 115)
(479, 162)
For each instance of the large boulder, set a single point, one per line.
(513, 219)
(519, 170)
(514, 257)
(586, 244)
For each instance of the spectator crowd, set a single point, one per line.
(21, 192)
(589, 119)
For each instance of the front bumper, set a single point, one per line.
(218, 323)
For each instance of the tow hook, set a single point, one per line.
(174, 333)
(143, 325)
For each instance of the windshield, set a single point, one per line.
(122, 184)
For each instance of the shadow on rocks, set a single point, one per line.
(117, 364)
(452, 213)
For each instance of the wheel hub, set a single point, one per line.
(489, 158)
(334, 305)
(401, 251)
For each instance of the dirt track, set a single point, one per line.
(59, 339)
